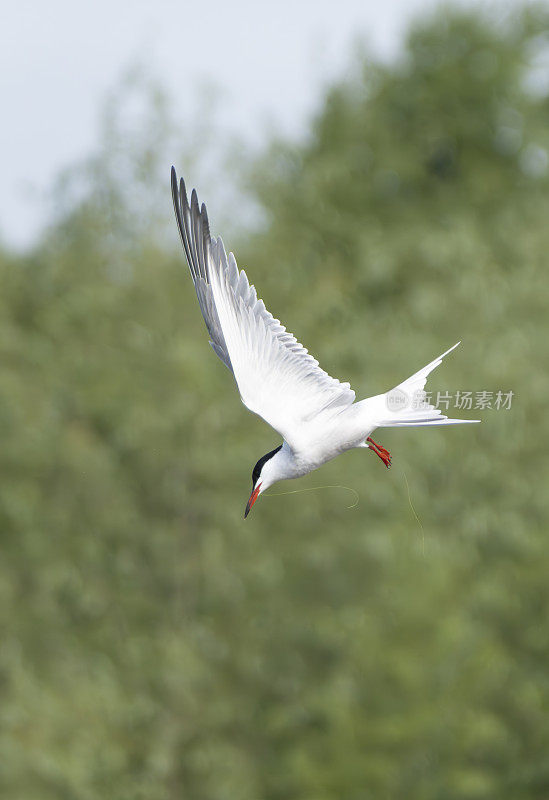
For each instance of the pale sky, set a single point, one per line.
(59, 58)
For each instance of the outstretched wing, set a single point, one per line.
(276, 376)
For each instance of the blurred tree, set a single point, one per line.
(154, 645)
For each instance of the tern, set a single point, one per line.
(277, 377)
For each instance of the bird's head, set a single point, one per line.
(266, 472)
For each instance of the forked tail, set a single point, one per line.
(406, 404)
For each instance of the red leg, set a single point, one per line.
(380, 451)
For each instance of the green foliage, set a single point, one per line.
(156, 646)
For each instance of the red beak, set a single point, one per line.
(253, 497)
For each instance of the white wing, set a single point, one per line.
(276, 376)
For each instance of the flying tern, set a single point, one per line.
(277, 378)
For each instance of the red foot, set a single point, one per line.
(380, 451)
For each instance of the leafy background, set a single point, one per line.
(156, 646)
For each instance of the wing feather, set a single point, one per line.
(277, 377)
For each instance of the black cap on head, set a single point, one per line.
(259, 466)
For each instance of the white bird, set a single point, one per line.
(277, 378)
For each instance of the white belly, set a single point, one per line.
(323, 440)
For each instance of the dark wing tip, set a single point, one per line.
(174, 188)
(183, 192)
(193, 226)
(205, 221)
(179, 209)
